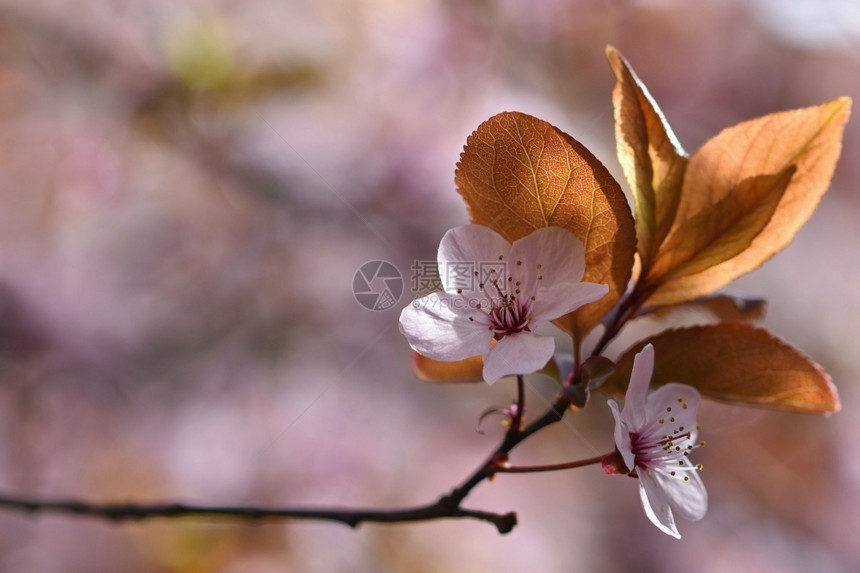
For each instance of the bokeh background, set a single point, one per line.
(187, 188)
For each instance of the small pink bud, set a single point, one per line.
(613, 464)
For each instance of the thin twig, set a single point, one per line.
(120, 512)
(447, 506)
(513, 437)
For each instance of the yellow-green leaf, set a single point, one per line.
(809, 138)
(735, 362)
(518, 173)
(650, 155)
(721, 231)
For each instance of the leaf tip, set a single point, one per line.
(616, 61)
(836, 403)
(844, 101)
(840, 109)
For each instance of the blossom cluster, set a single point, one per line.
(496, 317)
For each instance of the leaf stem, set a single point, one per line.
(517, 419)
(549, 467)
(626, 310)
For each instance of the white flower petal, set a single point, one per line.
(656, 504)
(462, 252)
(634, 411)
(520, 353)
(560, 299)
(664, 403)
(436, 331)
(559, 253)
(688, 498)
(622, 437)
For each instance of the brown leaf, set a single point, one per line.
(721, 231)
(809, 138)
(735, 362)
(429, 370)
(595, 370)
(722, 307)
(518, 173)
(650, 155)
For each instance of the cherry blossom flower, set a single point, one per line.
(495, 290)
(655, 434)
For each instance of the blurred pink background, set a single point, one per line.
(186, 190)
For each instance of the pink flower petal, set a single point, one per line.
(689, 498)
(677, 404)
(622, 437)
(559, 253)
(634, 411)
(434, 329)
(462, 252)
(520, 353)
(656, 504)
(560, 299)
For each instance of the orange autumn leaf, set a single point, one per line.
(738, 363)
(721, 231)
(809, 139)
(429, 370)
(518, 173)
(650, 155)
(722, 307)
